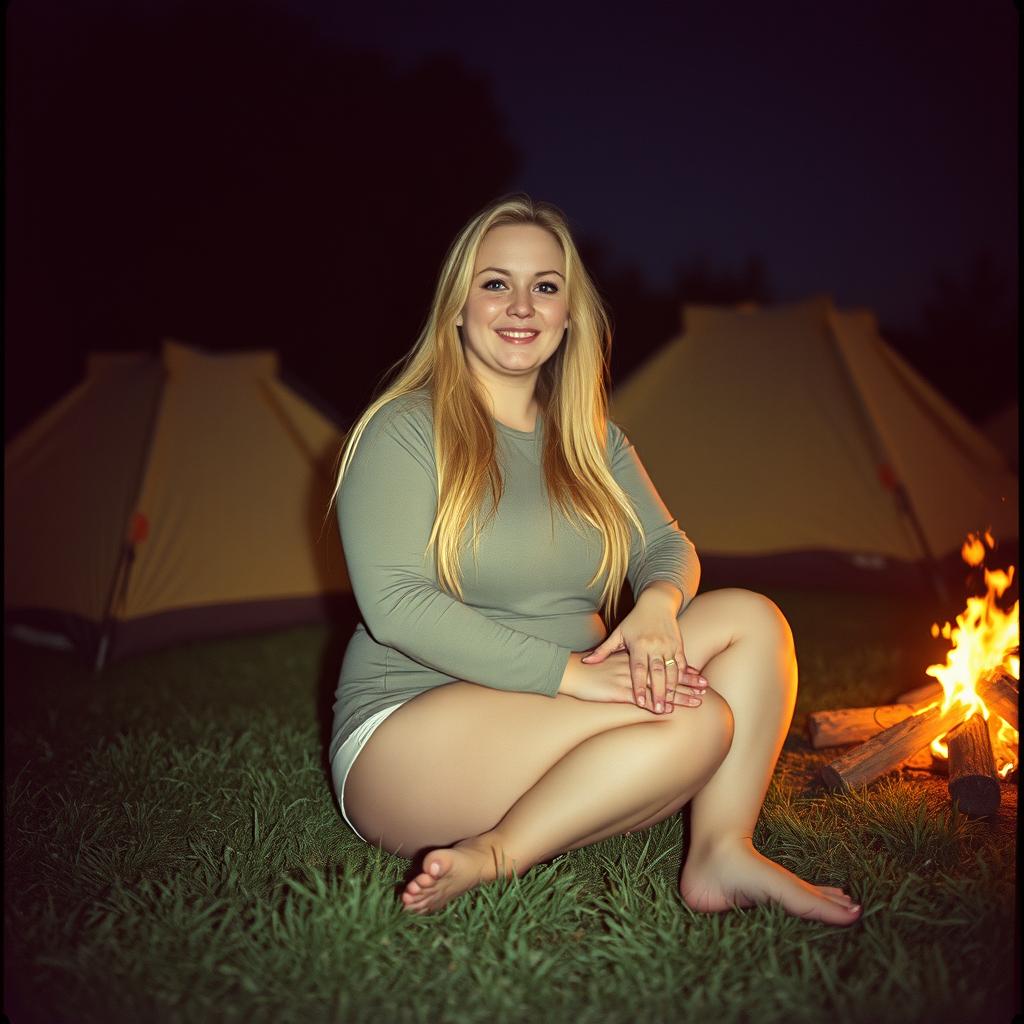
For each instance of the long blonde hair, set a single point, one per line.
(571, 392)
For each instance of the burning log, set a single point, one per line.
(890, 748)
(893, 746)
(928, 692)
(1005, 752)
(973, 782)
(1002, 700)
(854, 725)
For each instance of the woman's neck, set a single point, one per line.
(511, 409)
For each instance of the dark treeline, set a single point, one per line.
(221, 175)
(966, 342)
(224, 175)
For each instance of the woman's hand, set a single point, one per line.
(650, 636)
(610, 681)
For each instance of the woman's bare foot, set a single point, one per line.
(450, 871)
(733, 873)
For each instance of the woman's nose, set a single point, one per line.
(519, 304)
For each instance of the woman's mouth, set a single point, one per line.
(517, 337)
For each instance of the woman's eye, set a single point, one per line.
(544, 284)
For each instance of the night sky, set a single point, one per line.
(854, 147)
(243, 175)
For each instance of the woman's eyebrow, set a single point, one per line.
(540, 273)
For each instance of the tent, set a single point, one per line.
(168, 498)
(793, 444)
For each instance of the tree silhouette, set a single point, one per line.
(645, 317)
(219, 174)
(966, 341)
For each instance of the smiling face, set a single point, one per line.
(517, 309)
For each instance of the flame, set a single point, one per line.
(973, 551)
(985, 637)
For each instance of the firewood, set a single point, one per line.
(929, 691)
(892, 746)
(1002, 750)
(853, 725)
(1003, 698)
(973, 782)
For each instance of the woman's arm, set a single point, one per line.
(386, 509)
(670, 554)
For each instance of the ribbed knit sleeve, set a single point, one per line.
(386, 508)
(670, 555)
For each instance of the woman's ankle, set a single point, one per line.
(491, 846)
(705, 847)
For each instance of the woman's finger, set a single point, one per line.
(688, 698)
(674, 672)
(658, 686)
(638, 674)
(649, 702)
(693, 676)
(646, 702)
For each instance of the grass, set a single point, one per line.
(174, 853)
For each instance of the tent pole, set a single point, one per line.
(929, 566)
(107, 623)
(101, 653)
(119, 587)
(118, 595)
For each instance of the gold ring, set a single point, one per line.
(671, 661)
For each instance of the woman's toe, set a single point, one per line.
(835, 893)
(414, 892)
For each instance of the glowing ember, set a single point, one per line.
(984, 638)
(973, 551)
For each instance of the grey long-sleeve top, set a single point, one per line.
(527, 606)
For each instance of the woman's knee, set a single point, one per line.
(720, 722)
(755, 614)
(709, 726)
(766, 614)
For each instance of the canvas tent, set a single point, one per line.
(795, 444)
(166, 498)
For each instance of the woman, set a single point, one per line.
(470, 725)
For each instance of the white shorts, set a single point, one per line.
(347, 754)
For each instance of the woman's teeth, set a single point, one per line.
(518, 337)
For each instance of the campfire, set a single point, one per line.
(965, 723)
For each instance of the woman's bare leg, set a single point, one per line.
(407, 791)
(533, 777)
(744, 647)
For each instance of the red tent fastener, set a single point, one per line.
(888, 477)
(140, 528)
